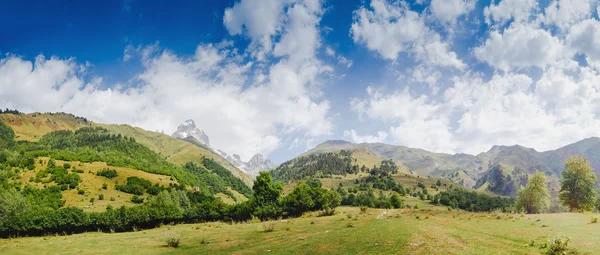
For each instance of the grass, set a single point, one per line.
(92, 185)
(31, 127)
(398, 232)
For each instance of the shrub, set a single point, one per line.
(363, 209)
(67, 165)
(137, 199)
(101, 197)
(594, 219)
(349, 225)
(269, 227)
(108, 173)
(104, 186)
(92, 200)
(80, 192)
(112, 199)
(558, 245)
(173, 240)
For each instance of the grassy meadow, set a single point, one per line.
(377, 231)
(92, 184)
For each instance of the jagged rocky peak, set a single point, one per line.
(259, 163)
(237, 157)
(188, 129)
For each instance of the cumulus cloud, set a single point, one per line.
(447, 11)
(584, 38)
(392, 28)
(520, 46)
(419, 122)
(565, 13)
(476, 113)
(217, 87)
(506, 10)
(354, 137)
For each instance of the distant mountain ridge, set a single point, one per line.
(188, 131)
(502, 169)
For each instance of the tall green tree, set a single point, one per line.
(266, 197)
(534, 198)
(577, 184)
(7, 136)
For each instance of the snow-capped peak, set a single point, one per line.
(188, 129)
(256, 164)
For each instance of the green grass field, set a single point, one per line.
(378, 231)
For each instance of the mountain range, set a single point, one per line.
(502, 169)
(188, 131)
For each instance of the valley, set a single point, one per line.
(126, 183)
(377, 231)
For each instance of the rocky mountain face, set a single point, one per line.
(188, 131)
(502, 169)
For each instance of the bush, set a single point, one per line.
(101, 197)
(269, 227)
(104, 186)
(363, 209)
(594, 219)
(137, 199)
(108, 173)
(558, 245)
(173, 240)
(80, 192)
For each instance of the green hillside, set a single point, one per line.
(32, 126)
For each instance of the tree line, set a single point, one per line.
(33, 211)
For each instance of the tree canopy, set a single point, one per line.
(577, 184)
(534, 198)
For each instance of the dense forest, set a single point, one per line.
(316, 165)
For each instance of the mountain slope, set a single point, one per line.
(33, 126)
(188, 131)
(502, 169)
(175, 150)
(418, 161)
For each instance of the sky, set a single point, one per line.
(278, 77)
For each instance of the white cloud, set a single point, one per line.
(585, 38)
(520, 46)
(565, 13)
(426, 75)
(329, 51)
(392, 28)
(417, 121)
(354, 137)
(475, 113)
(506, 10)
(447, 11)
(340, 59)
(244, 109)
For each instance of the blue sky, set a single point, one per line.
(279, 76)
